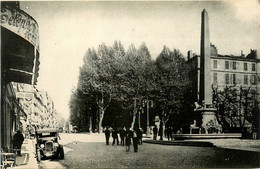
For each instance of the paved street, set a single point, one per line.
(90, 151)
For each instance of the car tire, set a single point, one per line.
(61, 153)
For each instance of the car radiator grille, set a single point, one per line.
(49, 146)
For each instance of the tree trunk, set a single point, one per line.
(164, 124)
(102, 112)
(134, 117)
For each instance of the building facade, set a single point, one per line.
(19, 63)
(227, 70)
(38, 106)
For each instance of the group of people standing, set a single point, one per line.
(168, 132)
(126, 135)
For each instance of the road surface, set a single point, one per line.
(90, 151)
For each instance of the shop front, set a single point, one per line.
(19, 63)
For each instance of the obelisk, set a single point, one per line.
(205, 75)
(208, 111)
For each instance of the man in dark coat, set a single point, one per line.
(107, 134)
(135, 140)
(161, 132)
(18, 141)
(122, 136)
(140, 136)
(115, 136)
(155, 130)
(169, 133)
(128, 137)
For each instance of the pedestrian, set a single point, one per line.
(161, 132)
(18, 141)
(107, 134)
(140, 135)
(115, 136)
(128, 139)
(135, 140)
(254, 133)
(122, 136)
(155, 130)
(181, 131)
(169, 133)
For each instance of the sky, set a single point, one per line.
(68, 28)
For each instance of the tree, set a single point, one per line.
(129, 79)
(100, 77)
(236, 103)
(80, 110)
(172, 83)
(137, 80)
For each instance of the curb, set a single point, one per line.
(181, 143)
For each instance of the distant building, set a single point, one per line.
(212, 70)
(38, 106)
(227, 70)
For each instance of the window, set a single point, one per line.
(253, 66)
(253, 79)
(246, 79)
(215, 78)
(215, 64)
(245, 66)
(234, 66)
(226, 78)
(233, 79)
(226, 64)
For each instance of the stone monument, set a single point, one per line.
(207, 110)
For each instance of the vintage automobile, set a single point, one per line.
(47, 144)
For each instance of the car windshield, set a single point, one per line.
(51, 134)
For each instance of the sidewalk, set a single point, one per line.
(238, 144)
(27, 160)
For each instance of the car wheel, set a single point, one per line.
(61, 153)
(38, 155)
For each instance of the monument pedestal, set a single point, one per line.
(209, 121)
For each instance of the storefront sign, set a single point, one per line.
(23, 95)
(20, 23)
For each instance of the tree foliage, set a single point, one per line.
(172, 84)
(236, 105)
(126, 77)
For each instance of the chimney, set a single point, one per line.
(242, 54)
(189, 54)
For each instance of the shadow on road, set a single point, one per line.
(99, 155)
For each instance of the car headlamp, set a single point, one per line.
(42, 145)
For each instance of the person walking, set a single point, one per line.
(161, 132)
(115, 136)
(128, 139)
(107, 134)
(169, 133)
(135, 140)
(18, 141)
(122, 136)
(155, 130)
(140, 136)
